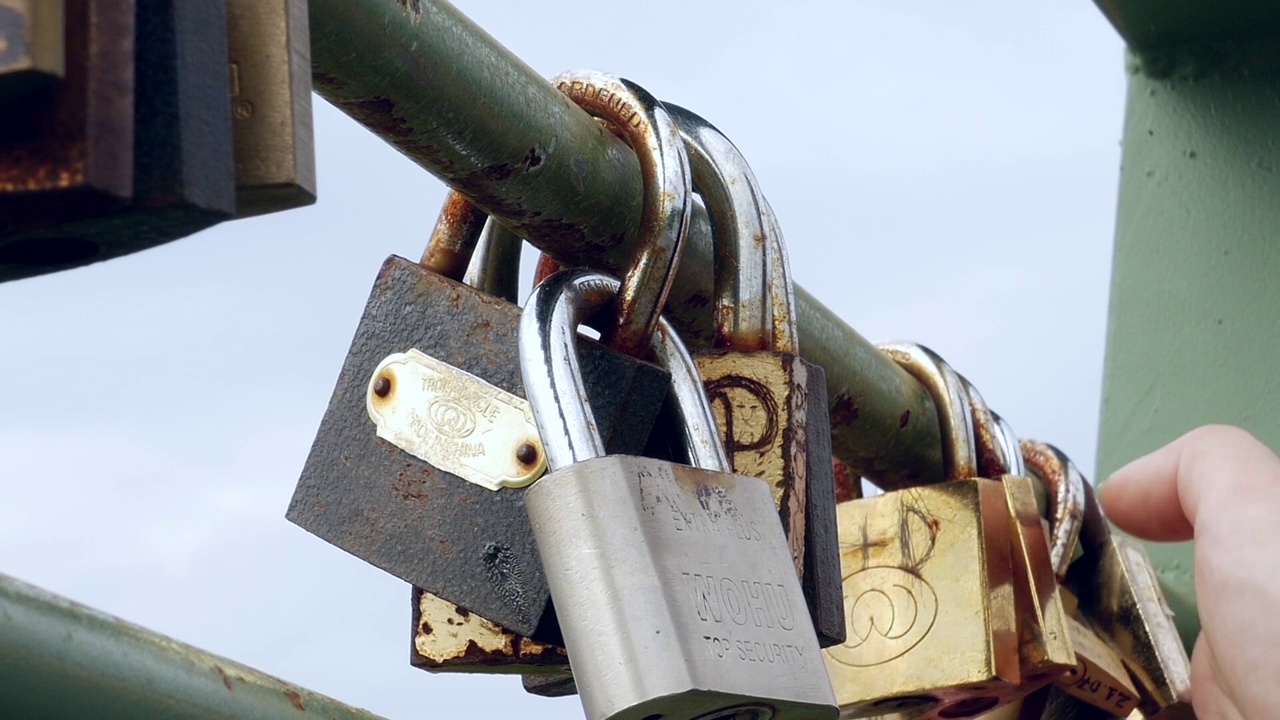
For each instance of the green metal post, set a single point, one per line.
(1195, 306)
(63, 660)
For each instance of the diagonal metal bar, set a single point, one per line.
(426, 79)
(60, 659)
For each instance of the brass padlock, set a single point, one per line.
(32, 48)
(1099, 677)
(269, 45)
(929, 600)
(1044, 645)
(769, 403)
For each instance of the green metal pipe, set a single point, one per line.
(1191, 336)
(437, 87)
(63, 660)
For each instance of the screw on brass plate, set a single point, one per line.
(382, 387)
(527, 454)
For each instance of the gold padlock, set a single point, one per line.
(1044, 640)
(1099, 677)
(269, 45)
(929, 600)
(32, 45)
(1120, 594)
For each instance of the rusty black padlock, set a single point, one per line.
(420, 460)
(130, 149)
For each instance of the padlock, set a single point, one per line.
(131, 150)
(1044, 644)
(269, 44)
(928, 580)
(674, 584)
(32, 49)
(447, 638)
(1066, 489)
(424, 478)
(406, 495)
(770, 404)
(1119, 595)
(1099, 677)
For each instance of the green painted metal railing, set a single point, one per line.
(59, 659)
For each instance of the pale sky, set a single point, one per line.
(944, 172)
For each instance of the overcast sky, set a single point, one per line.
(944, 171)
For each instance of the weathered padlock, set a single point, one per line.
(674, 584)
(1044, 644)
(269, 42)
(131, 149)
(769, 403)
(928, 580)
(32, 46)
(436, 498)
(1119, 595)
(447, 638)
(1099, 678)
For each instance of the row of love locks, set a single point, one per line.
(665, 533)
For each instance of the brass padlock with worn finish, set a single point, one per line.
(769, 403)
(1119, 595)
(928, 581)
(269, 43)
(132, 149)
(32, 46)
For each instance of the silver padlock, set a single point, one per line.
(674, 585)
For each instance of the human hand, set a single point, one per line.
(1221, 486)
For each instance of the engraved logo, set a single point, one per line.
(890, 609)
(451, 419)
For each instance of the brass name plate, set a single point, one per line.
(455, 421)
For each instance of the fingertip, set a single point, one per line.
(1141, 498)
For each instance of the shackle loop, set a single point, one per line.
(553, 377)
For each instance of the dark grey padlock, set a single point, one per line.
(675, 586)
(425, 523)
(112, 160)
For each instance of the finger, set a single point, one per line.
(1141, 498)
(1215, 469)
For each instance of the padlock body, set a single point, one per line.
(771, 409)
(447, 638)
(676, 592)
(467, 544)
(133, 149)
(928, 596)
(270, 53)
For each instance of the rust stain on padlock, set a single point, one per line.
(449, 638)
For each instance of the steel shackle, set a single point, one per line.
(553, 379)
(639, 119)
(955, 412)
(754, 304)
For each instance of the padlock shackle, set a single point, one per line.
(454, 238)
(553, 380)
(495, 263)
(959, 456)
(1071, 504)
(754, 303)
(994, 440)
(644, 123)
